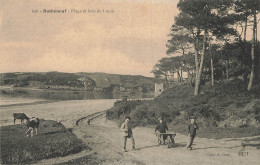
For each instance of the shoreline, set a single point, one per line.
(31, 103)
(65, 94)
(33, 88)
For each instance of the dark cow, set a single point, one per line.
(32, 124)
(21, 116)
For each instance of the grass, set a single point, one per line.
(53, 140)
(225, 110)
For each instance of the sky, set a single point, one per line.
(126, 37)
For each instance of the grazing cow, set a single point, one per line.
(21, 116)
(32, 124)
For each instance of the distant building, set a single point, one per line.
(158, 88)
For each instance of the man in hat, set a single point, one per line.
(162, 128)
(192, 128)
(127, 133)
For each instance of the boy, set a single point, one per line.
(127, 133)
(192, 128)
(162, 128)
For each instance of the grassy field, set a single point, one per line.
(53, 140)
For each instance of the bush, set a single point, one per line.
(122, 108)
(176, 104)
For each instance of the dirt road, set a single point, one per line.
(105, 139)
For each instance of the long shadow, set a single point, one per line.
(254, 142)
(254, 145)
(233, 140)
(253, 139)
(145, 147)
(175, 145)
(179, 145)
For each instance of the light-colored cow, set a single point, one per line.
(32, 125)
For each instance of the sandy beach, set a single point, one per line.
(66, 112)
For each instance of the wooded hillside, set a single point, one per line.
(88, 81)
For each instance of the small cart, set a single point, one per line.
(170, 138)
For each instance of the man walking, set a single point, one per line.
(192, 128)
(127, 133)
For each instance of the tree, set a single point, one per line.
(212, 52)
(180, 44)
(177, 66)
(202, 17)
(247, 10)
(188, 62)
(252, 7)
(161, 69)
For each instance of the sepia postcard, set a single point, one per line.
(142, 82)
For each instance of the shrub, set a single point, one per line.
(176, 104)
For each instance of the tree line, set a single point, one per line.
(208, 40)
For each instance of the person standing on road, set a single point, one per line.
(162, 128)
(192, 128)
(128, 133)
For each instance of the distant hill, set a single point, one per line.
(104, 80)
(82, 80)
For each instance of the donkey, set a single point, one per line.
(32, 124)
(21, 116)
